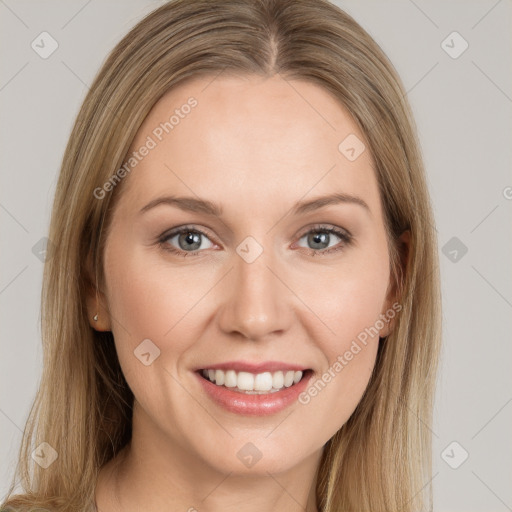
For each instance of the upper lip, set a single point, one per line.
(246, 366)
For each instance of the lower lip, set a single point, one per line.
(254, 405)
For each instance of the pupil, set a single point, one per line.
(191, 239)
(320, 239)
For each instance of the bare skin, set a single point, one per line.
(255, 147)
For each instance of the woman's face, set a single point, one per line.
(259, 284)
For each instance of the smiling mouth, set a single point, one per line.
(252, 383)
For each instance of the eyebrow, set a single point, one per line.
(192, 204)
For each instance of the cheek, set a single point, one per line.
(348, 298)
(150, 301)
(355, 305)
(349, 302)
(147, 299)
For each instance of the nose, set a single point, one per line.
(256, 302)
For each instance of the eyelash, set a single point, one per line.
(345, 236)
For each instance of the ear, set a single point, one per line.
(392, 303)
(96, 302)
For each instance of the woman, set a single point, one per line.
(242, 308)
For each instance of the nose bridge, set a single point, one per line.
(256, 303)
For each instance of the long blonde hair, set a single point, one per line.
(380, 460)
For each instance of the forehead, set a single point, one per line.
(239, 139)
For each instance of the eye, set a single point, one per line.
(189, 241)
(320, 238)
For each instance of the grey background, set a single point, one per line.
(463, 110)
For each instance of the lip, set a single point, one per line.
(254, 405)
(246, 366)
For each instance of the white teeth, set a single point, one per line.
(245, 381)
(219, 377)
(263, 382)
(278, 380)
(288, 379)
(230, 379)
(253, 383)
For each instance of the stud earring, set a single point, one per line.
(95, 317)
